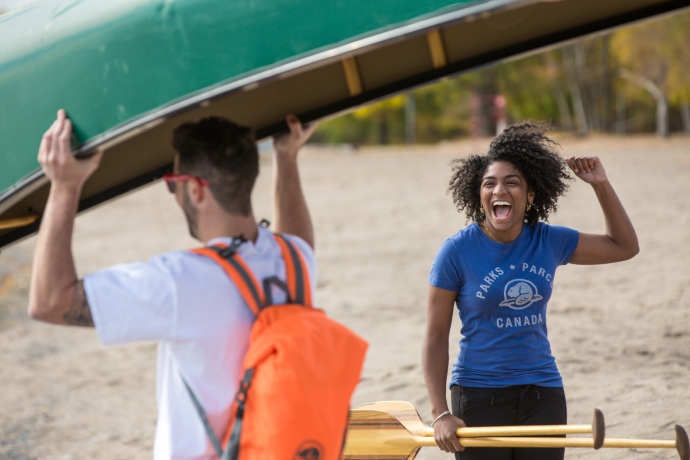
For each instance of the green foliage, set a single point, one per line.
(523, 84)
(550, 86)
(442, 112)
(659, 51)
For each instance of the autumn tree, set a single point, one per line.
(631, 80)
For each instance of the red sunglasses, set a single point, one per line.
(172, 179)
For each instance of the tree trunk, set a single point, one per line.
(575, 93)
(383, 129)
(488, 88)
(410, 119)
(661, 116)
(588, 89)
(558, 94)
(607, 93)
(685, 113)
(661, 103)
(620, 114)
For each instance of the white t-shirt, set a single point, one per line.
(188, 304)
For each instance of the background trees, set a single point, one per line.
(633, 80)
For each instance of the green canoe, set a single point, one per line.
(129, 71)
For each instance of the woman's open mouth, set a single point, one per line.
(501, 210)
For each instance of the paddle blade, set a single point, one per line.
(404, 412)
(373, 434)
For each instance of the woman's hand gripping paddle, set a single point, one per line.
(408, 417)
(375, 432)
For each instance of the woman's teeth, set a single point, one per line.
(501, 209)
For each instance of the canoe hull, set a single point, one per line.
(322, 81)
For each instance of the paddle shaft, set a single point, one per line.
(536, 430)
(553, 442)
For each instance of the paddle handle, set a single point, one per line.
(537, 430)
(554, 442)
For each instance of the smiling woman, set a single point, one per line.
(489, 270)
(542, 168)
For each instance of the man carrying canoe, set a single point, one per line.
(181, 300)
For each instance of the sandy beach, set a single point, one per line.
(620, 332)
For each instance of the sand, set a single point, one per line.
(620, 332)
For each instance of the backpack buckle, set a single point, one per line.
(227, 253)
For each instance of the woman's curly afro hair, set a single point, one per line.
(526, 147)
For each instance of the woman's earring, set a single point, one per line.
(529, 205)
(481, 211)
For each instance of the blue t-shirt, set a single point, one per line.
(502, 291)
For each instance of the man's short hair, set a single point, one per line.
(225, 154)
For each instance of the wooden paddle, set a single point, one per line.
(374, 434)
(408, 417)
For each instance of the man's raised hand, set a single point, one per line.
(288, 144)
(56, 159)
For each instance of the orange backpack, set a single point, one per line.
(299, 372)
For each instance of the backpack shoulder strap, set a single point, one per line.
(299, 285)
(239, 273)
(254, 297)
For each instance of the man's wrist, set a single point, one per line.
(65, 190)
(289, 154)
(286, 161)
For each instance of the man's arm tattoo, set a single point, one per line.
(79, 313)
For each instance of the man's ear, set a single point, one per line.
(196, 191)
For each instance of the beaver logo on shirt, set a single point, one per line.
(520, 294)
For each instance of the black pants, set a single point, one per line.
(510, 406)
